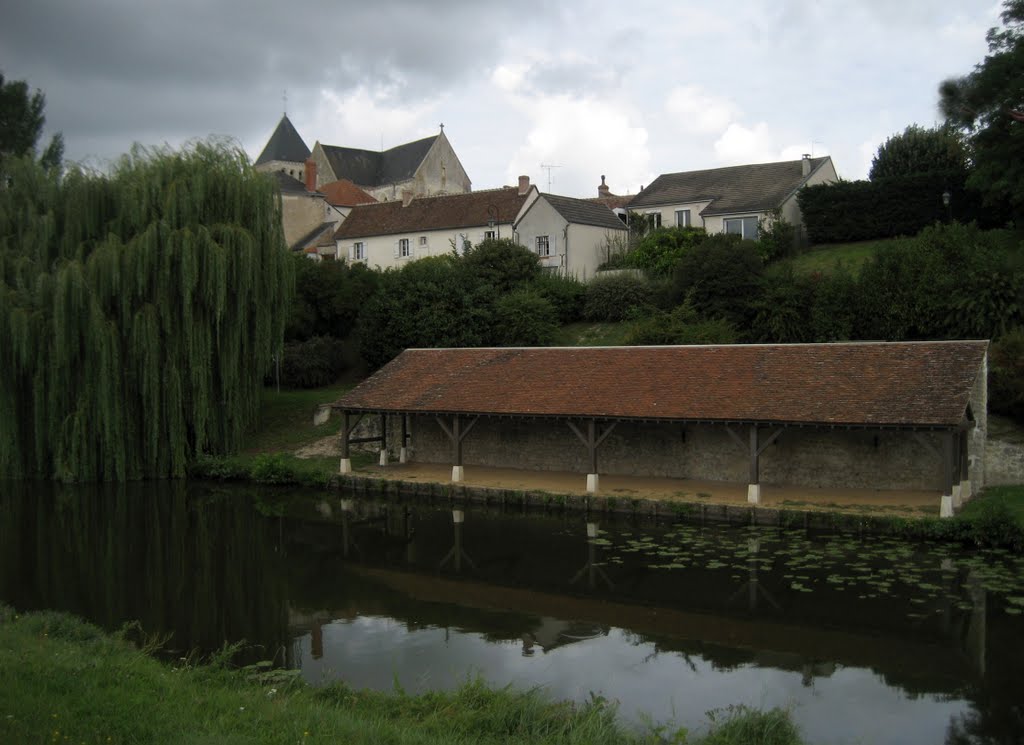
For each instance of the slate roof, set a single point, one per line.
(314, 237)
(584, 212)
(285, 144)
(874, 384)
(344, 193)
(373, 168)
(287, 184)
(750, 188)
(432, 213)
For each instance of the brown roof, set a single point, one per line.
(876, 384)
(613, 201)
(344, 193)
(473, 209)
(750, 188)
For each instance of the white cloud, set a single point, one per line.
(740, 144)
(360, 118)
(698, 112)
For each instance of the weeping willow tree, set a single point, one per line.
(139, 312)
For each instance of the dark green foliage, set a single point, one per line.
(312, 363)
(722, 276)
(917, 150)
(682, 325)
(659, 251)
(780, 311)
(776, 237)
(328, 297)
(989, 104)
(742, 725)
(21, 125)
(138, 312)
(566, 295)
(897, 206)
(1006, 375)
(615, 298)
(524, 318)
(835, 306)
(502, 264)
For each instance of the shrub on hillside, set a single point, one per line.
(722, 276)
(659, 252)
(681, 325)
(615, 298)
(502, 264)
(524, 319)
(776, 237)
(328, 297)
(782, 309)
(1006, 375)
(566, 295)
(313, 363)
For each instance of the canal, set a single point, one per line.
(863, 638)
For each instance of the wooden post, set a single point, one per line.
(949, 458)
(346, 461)
(403, 453)
(592, 444)
(754, 476)
(383, 439)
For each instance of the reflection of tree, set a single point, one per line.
(991, 720)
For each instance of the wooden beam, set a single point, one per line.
(444, 426)
(604, 434)
(735, 437)
(754, 452)
(948, 459)
(575, 429)
(772, 438)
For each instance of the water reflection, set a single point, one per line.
(866, 639)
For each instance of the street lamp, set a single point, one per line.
(947, 197)
(492, 219)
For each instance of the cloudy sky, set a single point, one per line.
(625, 89)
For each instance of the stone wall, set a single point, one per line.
(1004, 463)
(801, 456)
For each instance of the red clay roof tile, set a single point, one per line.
(924, 384)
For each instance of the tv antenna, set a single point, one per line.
(549, 167)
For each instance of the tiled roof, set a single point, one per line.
(877, 384)
(432, 213)
(613, 201)
(751, 188)
(584, 212)
(285, 144)
(314, 237)
(373, 168)
(344, 193)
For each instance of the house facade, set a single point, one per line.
(732, 199)
(424, 167)
(392, 233)
(571, 236)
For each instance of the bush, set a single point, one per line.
(615, 298)
(722, 276)
(681, 326)
(502, 264)
(328, 297)
(313, 363)
(659, 252)
(776, 237)
(1006, 375)
(782, 309)
(524, 318)
(566, 295)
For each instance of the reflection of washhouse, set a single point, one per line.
(457, 553)
(552, 633)
(592, 569)
(753, 586)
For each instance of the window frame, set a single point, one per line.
(359, 251)
(688, 223)
(546, 243)
(404, 249)
(743, 221)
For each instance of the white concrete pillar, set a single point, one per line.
(965, 490)
(593, 482)
(946, 506)
(348, 505)
(346, 466)
(403, 455)
(458, 516)
(956, 496)
(458, 474)
(592, 530)
(383, 456)
(754, 493)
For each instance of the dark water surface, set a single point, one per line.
(866, 640)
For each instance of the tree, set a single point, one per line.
(139, 312)
(917, 150)
(989, 104)
(503, 264)
(21, 125)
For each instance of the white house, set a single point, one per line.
(569, 235)
(732, 199)
(390, 234)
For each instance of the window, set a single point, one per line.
(358, 251)
(745, 227)
(682, 218)
(490, 235)
(543, 247)
(403, 248)
(423, 240)
(654, 219)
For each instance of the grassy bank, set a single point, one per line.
(62, 680)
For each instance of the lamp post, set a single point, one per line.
(947, 198)
(492, 220)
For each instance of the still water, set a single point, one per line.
(865, 639)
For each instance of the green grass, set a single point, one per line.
(586, 334)
(65, 681)
(286, 418)
(997, 500)
(826, 259)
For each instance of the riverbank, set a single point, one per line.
(64, 680)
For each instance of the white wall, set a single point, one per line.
(380, 249)
(586, 250)
(543, 219)
(668, 213)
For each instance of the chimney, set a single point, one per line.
(310, 174)
(406, 197)
(524, 185)
(603, 190)
(805, 165)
